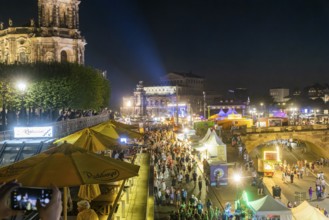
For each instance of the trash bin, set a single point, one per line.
(276, 191)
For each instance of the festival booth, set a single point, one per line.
(270, 208)
(213, 148)
(205, 138)
(214, 157)
(219, 116)
(221, 113)
(231, 111)
(306, 211)
(235, 120)
(271, 122)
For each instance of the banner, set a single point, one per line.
(33, 132)
(218, 174)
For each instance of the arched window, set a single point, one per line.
(63, 57)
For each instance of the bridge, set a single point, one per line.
(316, 137)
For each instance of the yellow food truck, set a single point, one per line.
(269, 161)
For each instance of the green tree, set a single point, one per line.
(54, 86)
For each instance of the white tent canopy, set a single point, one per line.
(306, 211)
(214, 147)
(268, 206)
(206, 136)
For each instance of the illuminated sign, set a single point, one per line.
(33, 132)
(123, 140)
(270, 155)
(234, 116)
(174, 104)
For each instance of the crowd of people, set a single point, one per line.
(301, 169)
(178, 182)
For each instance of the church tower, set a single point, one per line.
(59, 13)
(55, 38)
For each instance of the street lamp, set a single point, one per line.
(262, 108)
(237, 179)
(204, 104)
(21, 86)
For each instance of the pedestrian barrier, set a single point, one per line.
(300, 196)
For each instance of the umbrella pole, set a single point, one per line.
(65, 203)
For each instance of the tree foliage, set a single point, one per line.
(54, 86)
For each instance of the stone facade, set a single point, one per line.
(190, 89)
(155, 101)
(317, 137)
(55, 38)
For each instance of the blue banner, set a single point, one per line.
(218, 174)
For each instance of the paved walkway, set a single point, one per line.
(134, 205)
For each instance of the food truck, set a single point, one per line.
(269, 161)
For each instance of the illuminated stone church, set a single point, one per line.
(55, 37)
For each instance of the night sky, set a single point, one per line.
(257, 44)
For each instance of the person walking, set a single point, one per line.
(195, 176)
(178, 198)
(260, 188)
(200, 183)
(310, 193)
(187, 177)
(207, 184)
(292, 177)
(284, 177)
(184, 196)
(208, 204)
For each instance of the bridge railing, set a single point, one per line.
(65, 127)
(286, 128)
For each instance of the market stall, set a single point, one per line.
(270, 208)
(205, 138)
(213, 148)
(306, 211)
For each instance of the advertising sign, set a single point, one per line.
(33, 132)
(274, 122)
(218, 174)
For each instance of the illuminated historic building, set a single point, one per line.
(155, 102)
(181, 95)
(54, 38)
(191, 89)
